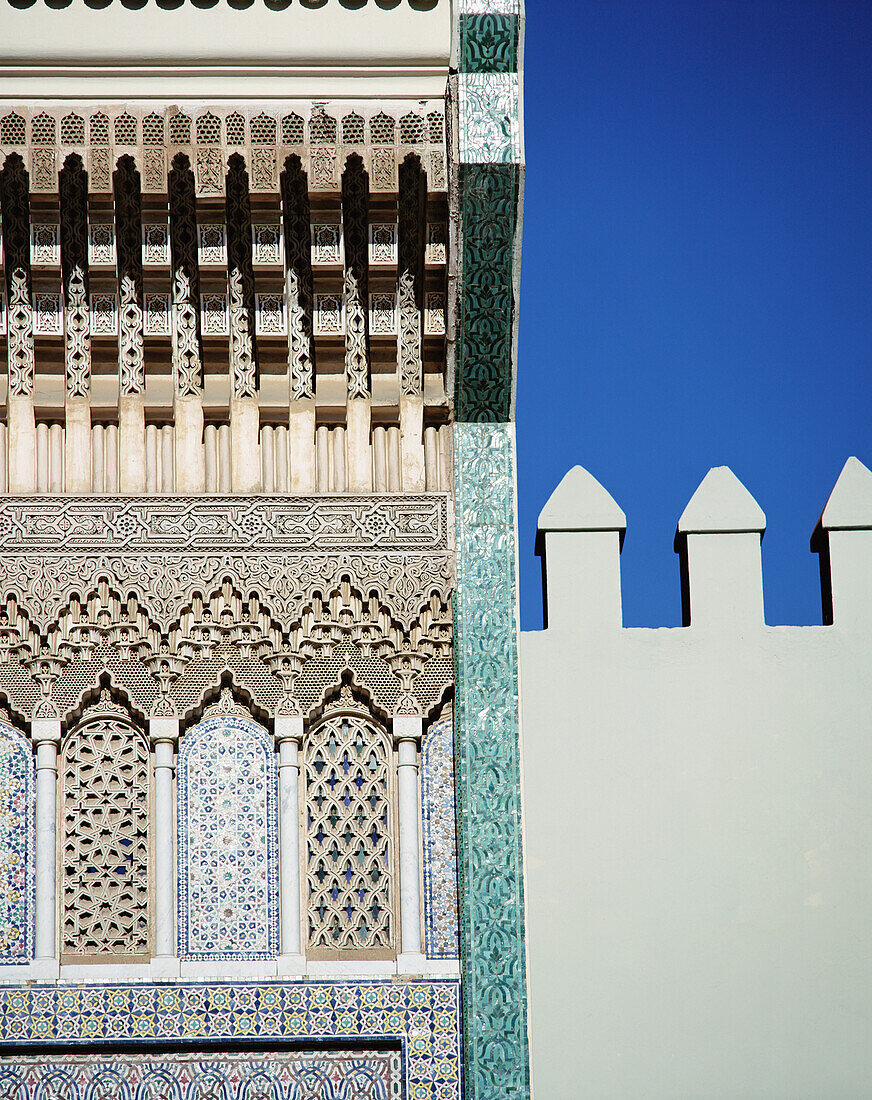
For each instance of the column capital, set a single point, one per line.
(288, 727)
(163, 729)
(408, 727)
(45, 729)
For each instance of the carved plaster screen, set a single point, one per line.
(104, 839)
(16, 846)
(349, 837)
(228, 840)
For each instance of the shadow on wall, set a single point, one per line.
(273, 5)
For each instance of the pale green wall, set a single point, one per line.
(698, 816)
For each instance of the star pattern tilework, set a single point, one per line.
(227, 841)
(16, 846)
(439, 830)
(422, 1017)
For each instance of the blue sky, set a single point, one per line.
(697, 272)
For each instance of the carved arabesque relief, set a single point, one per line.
(104, 841)
(166, 623)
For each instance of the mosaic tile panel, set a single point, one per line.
(489, 43)
(439, 831)
(297, 1075)
(503, 7)
(228, 850)
(422, 1016)
(488, 766)
(489, 196)
(17, 848)
(488, 107)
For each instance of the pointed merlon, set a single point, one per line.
(721, 505)
(580, 503)
(850, 503)
(580, 534)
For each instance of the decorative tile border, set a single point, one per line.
(253, 1076)
(228, 841)
(439, 831)
(17, 846)
(488, 766)
(486, 100)
(423, 1016)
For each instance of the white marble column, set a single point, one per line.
(407, 733)
(164, 733)
(46, 734)
(289, 734)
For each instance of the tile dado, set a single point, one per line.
(376, 1075)
(423, 1017)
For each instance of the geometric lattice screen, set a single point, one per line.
(105, 839)
(349, 836)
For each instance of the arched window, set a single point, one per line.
(228, 837)
(16, 846)
(349, 833)
(104, 838)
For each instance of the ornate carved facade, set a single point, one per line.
(228, 542)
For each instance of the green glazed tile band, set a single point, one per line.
(488, 196)
(494, 985)
(489, 43)
(488, 188)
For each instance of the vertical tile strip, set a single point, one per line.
(486, 97)
(488, 766)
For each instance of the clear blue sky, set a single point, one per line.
(697, 272)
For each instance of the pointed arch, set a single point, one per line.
(227, 789)
(105, 843)
(349, 824)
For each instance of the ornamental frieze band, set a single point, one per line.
(215, 524)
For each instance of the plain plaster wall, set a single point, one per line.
(698, 817)
(79, 52)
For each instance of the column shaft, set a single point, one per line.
(410, 870)
(164, 876)
(46, 739)
(289, 819)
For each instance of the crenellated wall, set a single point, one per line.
(698, 812)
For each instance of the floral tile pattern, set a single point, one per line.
(17, 821)
(439, 830)
(421, 1017)
(489, 129)
(227, 841)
